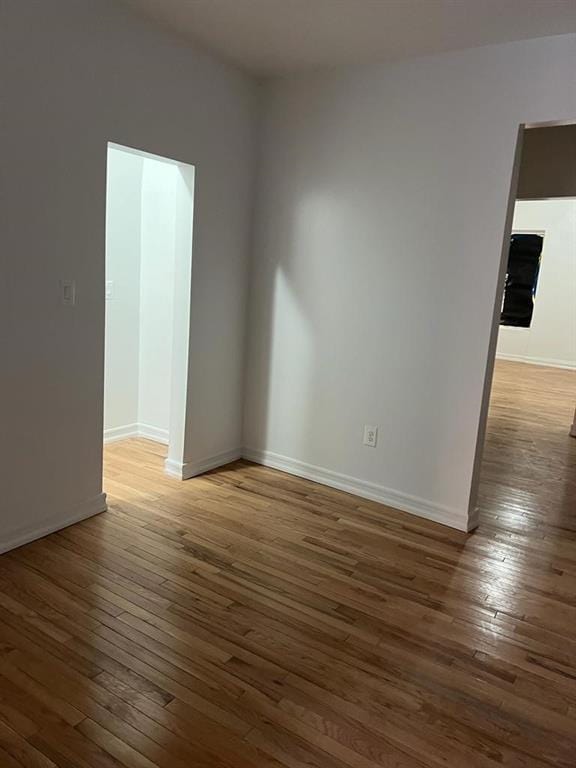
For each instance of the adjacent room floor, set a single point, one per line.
(252, 619)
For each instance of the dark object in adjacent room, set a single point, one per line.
(521, 280)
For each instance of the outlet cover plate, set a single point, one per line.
(370, 436)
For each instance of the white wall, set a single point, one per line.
(141, 208)
(551, 338)
(382, 206)
(76, 75)
(181, 360)
(371, 179)
(157, 296)
(123, 242)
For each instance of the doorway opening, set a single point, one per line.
(149, 220)
(526, 451)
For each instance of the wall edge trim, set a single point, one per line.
(113, 434)
(543, 361)
(156, 434)
(404, 502)
(88, 508)
(188, 469)
(148, 432)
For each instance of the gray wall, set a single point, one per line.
(76, 74)
(548, 166)
(381, 220)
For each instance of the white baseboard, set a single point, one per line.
(545, 361)
(120, 433)
(188, 469)
(153, 433)
(421, 507)
(173, 468)
(136, 430)
(21, 536)
(473, 519)
(453, 518)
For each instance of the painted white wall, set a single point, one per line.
(551, 338)
(141, 212)
(157, 284)
(181, 360)
(381, 213)
(100, 73)
(123, 257)
(371, 178)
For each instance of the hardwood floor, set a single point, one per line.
(249, 619)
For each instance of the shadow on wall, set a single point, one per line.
(325, 336)
(352, 289)
(284, 356)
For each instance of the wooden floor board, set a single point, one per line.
(250, 619)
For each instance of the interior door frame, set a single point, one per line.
(473, 512)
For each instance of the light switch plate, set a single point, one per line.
(68, 293)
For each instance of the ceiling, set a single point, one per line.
(275, 37)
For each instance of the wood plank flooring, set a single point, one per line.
(249, 619)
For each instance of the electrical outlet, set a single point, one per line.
(370, 436)
(109, 289)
